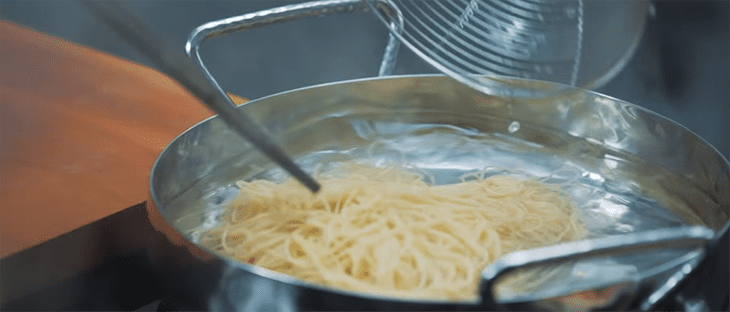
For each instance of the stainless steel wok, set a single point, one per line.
(655, 197)
(641, 181)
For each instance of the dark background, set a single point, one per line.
(681, 69)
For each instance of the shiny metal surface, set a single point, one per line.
(622, 164)
(574, 42)
(588, 275)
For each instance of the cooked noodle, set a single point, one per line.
(385, 231)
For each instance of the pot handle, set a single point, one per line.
(287, 13)
(569, 253)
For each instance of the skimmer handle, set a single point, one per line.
(271, 16)
(290, 13)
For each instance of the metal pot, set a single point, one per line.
(642, 180)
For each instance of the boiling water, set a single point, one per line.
(611, 197)
(615, 193)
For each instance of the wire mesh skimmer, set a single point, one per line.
(574, 42)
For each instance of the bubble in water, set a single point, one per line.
(513, 127)
(571, 13)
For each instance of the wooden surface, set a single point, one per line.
(79, 132)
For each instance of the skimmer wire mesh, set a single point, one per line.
(536, 39)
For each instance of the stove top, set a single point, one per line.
(101, 266)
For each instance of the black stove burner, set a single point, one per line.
(152, 306)
(101, 266)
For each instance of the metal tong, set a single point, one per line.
(198, 81)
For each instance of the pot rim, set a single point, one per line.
(284, 278)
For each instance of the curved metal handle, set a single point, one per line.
(690, 236)
(284, 14)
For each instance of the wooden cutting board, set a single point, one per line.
(79, 132)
